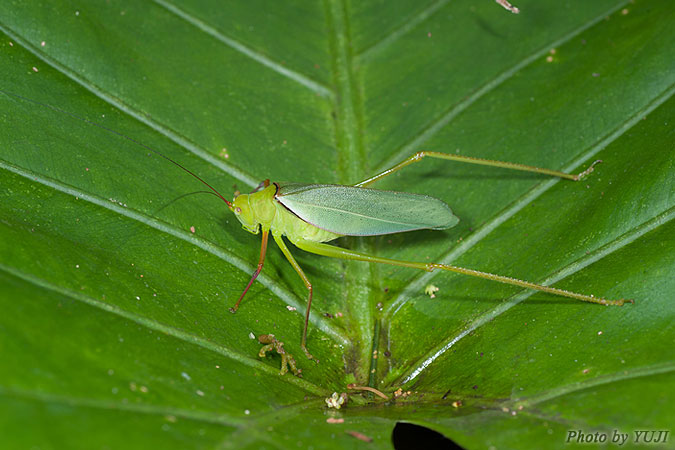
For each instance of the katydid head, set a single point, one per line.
(244, 213)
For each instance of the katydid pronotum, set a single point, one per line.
(309, 215)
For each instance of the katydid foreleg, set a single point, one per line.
(263, 251)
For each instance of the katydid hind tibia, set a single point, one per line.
(309, 215)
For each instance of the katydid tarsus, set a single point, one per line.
(309, 215)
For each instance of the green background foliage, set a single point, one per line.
(114, 330)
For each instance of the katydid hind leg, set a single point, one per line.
(419, 156)
(338, 252)
(261, 261)
(284, 249)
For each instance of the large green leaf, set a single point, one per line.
(115, 331)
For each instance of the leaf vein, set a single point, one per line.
(165, 329)
(571, 269)
(635, 372)
(349, 139)
(402, 30)
(440, 123)
(519, 204)
(247, 51)
(117, 103)
(44, 397)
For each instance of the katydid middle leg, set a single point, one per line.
(338, 252)
(282, 245)
(471, 160)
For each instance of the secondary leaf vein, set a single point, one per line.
(170, 331)
(436, 126)
(116, 102)
(576, 266)
(200, 416)
(243, 49)
(519, 204)
(402, 30)
(635, 372)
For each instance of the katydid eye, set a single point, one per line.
(237, 210)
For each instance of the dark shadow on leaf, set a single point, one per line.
(487, 27)
(410, 436)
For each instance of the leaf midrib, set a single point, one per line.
(349, 138)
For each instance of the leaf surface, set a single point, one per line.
(115, 284)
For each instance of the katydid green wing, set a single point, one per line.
(356, 211)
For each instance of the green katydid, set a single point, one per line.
(309, 215)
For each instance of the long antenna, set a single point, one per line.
(117, 133)
(169, 203)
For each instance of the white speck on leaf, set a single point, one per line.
(431, 290)
(336, 400)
